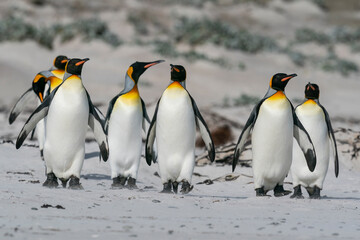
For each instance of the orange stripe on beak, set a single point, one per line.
(176, 69)
(64, 61)
(150, 64)
(286, 78)
(312, 88)
(80, 63)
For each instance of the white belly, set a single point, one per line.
(66, 127)
(125, 139)
(175, 136)
(313, 119)
(272, 139)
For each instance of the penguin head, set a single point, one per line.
(278, 81)
(178, 73)
(60, 62)
(312, 91)
(74, 65)
(138, 68)
(38, 85)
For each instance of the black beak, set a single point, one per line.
(150, 64)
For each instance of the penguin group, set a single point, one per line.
(65, 111)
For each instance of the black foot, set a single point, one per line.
(42, 154)
(186, 187)
(167, 187)
(260, 192)
(280, 192)
(297, 193)
(51, 181)
(118, 182)
(316, 193)
(175, 187)
(64, 182)
(131, 183)
(74, 183)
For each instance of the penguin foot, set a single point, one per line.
(175, 187)
(118, 182)
(260, 192)
(51, 181)
(131, 183)
(167, 187)
(280, 192)
(316, 193)
(64, 182)
(186, 187)
(297, 193)
(75, 184)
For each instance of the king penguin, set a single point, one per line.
(273, 123)
(316, 121)
(123, 124)
(54, 75)
(174, 127)
(69, 111)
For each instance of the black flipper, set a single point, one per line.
(332, 140)
(32, 133)
(109, 111)
(149, 145)
(40, 112)
(305, 143)
(97, 126)
(21, 104)
(204, 130)
(145, 115)
(245, 133)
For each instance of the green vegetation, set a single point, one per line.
(16, 29)
(243, 100)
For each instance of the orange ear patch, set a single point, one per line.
(80, 63)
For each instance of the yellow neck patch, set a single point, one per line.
(58, 73)
(279, 95)
(54, 82)
(175, 85)
(131, 97)
(310, 101)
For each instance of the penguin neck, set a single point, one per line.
(177, 84)
(311, 101)
(54, 82)
(129, 85)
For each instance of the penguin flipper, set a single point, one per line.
(19, 106)
(97, 125)
(332, 140)
(40, 112)
(109, 111)
(145, 115)
(305, 143)
(150, 155)
(204, 130)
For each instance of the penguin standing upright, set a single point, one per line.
(123, 124)
(54, 75)
(316, 121)
(274, 124)
(173, 126)
(69, 110)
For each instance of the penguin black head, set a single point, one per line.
(74, 65)
(138, 68)
(38, 85)
(312, 91)
(178, 73)
(278, 81)
(60, 62)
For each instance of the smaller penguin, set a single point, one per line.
(274, 124)
(123, 125)
(54, 75)
(316, 121)
(173, 125)
(69, 110)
